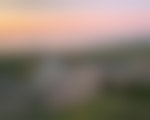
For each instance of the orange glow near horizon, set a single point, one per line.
(56, 28)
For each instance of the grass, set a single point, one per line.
(131, 104)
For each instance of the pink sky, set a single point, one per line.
(67, 29)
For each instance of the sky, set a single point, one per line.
(68, 24)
